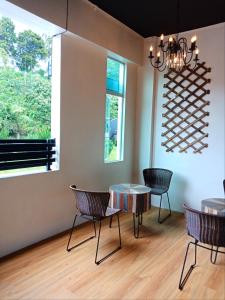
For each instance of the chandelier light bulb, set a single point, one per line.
(194, 39)
(174, 53)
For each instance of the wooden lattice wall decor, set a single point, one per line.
(186, 113)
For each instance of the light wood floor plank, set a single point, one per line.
(145, 268)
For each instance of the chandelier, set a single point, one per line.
(174, 54)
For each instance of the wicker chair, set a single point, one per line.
(159, 182)
(93, 206)
(204, 228)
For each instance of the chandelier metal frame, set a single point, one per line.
(174, 54)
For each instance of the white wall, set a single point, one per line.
(34, 207)
(196, 176)
(144, 115)
(83, 110)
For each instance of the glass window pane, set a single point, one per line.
(113, 128)
(114, 111)
(115, 76)
(25, 80)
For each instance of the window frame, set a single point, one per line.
(123, 107)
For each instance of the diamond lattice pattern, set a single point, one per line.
(185, 111)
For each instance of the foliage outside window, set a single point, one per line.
(114, 112)
(25, 82)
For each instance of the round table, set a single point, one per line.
(215, 206)
(131, 198)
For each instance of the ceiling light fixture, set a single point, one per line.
(174, 54)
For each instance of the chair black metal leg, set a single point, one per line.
(118, 219)
(134, 226)
(110, 222)
(184, 280)
(141, 219)
(112, 252)
(213, 260)
(168, 202)
(150, 201)
(160, 221)
(71, 232)
(99, 233)
(94, 226)
(160, 209)
(136, 230)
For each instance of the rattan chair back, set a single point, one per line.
(157, 178)
(91, 203)
(205, 228)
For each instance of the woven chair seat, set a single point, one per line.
(112, 211)
(159, 190)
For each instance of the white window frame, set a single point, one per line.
(121, 113)
(18, 14)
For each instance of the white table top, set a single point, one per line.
(220, 201)
(214, 206)
(129, 188)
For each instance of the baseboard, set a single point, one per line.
(39, 243)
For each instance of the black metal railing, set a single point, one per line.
(23, 153)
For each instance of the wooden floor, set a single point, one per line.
(145, 268)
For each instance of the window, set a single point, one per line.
(26, 138)
(114, 111)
